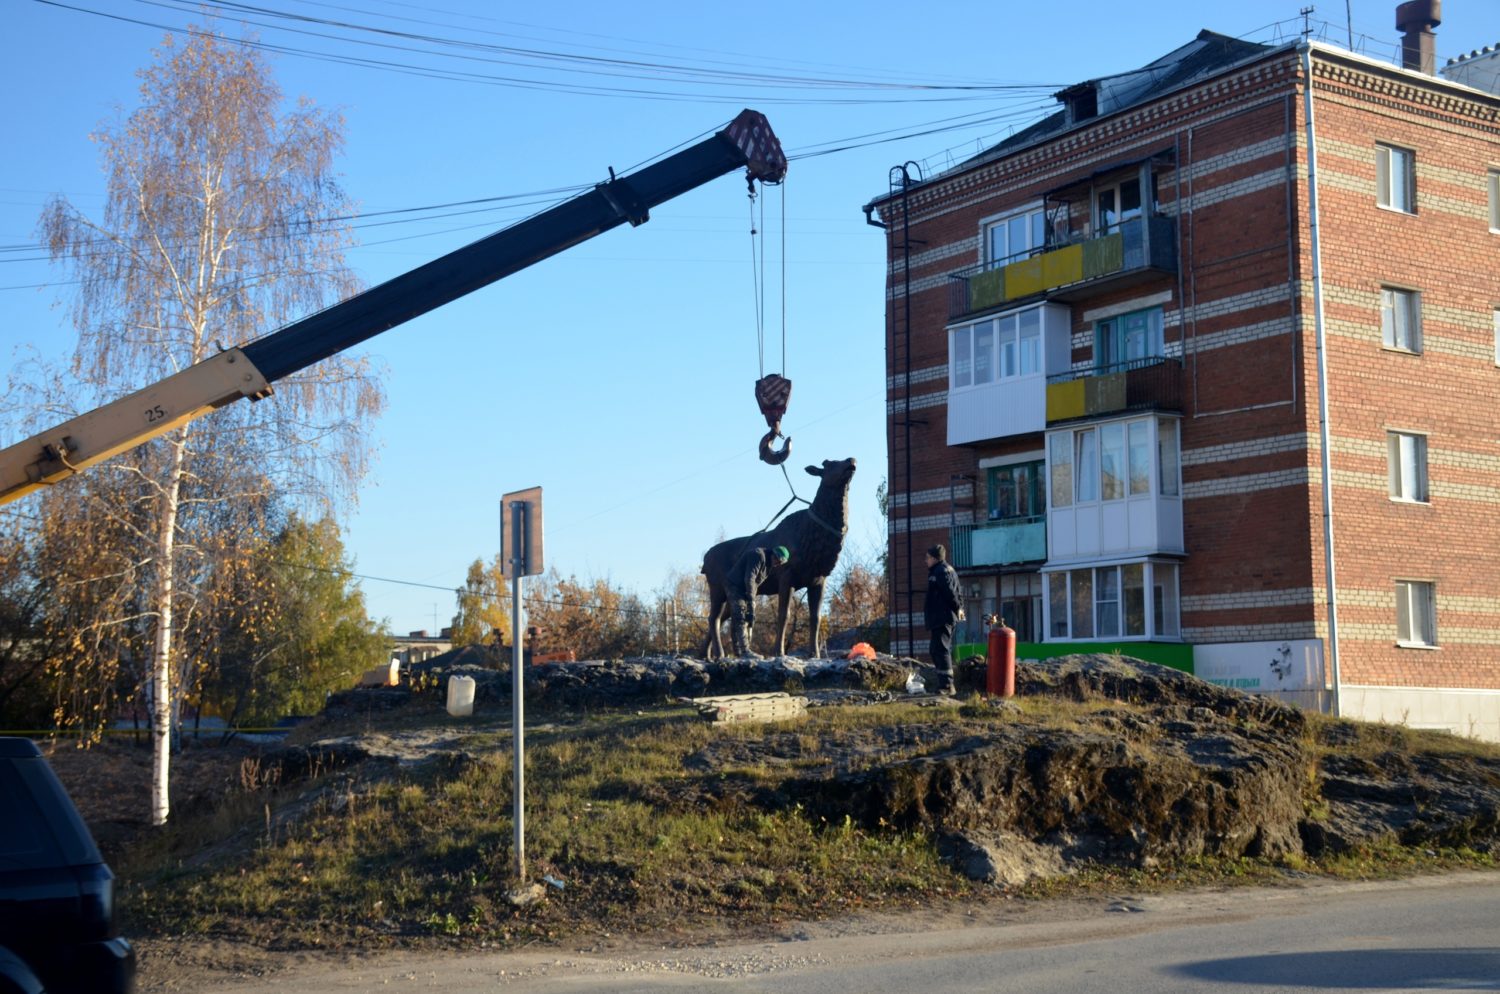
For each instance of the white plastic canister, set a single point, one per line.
(460, 696)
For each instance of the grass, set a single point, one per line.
(1368, 740)
(424, 854)
(637, 831)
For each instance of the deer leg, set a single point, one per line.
(713, 645)
(814, 603)
(783, 601)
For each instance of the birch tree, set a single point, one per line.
(220, 224)
(483, 605)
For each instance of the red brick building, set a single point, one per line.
(1103, 354)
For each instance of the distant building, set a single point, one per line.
(419, 646)
(1104, 381)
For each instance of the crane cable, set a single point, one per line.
(773, 391)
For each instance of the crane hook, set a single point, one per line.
(773, 393)
(773, 456)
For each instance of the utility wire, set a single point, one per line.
(613, 69)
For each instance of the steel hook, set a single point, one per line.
(773, 456)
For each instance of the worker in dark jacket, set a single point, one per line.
(944, 607)
(752, 569)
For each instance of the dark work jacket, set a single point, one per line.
(750, 572)
(944, 599)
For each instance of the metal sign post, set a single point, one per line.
(520, 555)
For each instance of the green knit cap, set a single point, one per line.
(780, 553)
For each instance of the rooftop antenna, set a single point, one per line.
(1349, 21)
(1306, 13)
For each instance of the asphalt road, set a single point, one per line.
(1432, 934)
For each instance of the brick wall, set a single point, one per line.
(1240, 314)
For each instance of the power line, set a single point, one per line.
(555, 62)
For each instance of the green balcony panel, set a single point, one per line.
(1102, 394)
(1065, 400)
(1062, 266)
(1005, 544)
(1102, 256)
(986, 290)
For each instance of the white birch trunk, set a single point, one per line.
(161, 655)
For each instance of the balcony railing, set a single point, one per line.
(1000, 543)
(1134, 249)
(1152, 383)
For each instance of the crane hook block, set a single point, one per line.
(773, 393)
(773, 456)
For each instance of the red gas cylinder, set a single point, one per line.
(1000, 675)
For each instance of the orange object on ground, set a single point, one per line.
(861, 650)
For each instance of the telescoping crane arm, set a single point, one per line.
(233, 374)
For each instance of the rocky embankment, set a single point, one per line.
(1110, 760)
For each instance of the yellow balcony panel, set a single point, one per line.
(1024, 278)
(1062, 266)
(1065, 400)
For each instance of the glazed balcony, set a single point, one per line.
(999, 543)
(1150, 384)
(1136, 250)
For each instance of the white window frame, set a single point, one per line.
(1401, 319)
(1492, 193)
(1070, 482)
(1016, 349)
(1393, 161)
(1495, 317)
(1066, 593)
(1406, 466)
(1033, 226)
(1416, 614)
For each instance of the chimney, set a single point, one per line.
(1415, 19)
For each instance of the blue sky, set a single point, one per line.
(617, 375)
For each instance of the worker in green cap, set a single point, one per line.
(753, 569)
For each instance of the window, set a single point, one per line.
(1112, 461)
(1018, 491)
(1061, 463)
(1401, 319)
(1014, 237)
(1164, 599)
(1166, 447)
(1119, 340)
(1107, 602)
(996, 349)
(1081, 605)
(1021, 605)
(1133, 577)
(1140, 458)
(1416, 613)
(1057, 605)
(1496, 318)
(1492, 188)
(1395, 178)
(1407, 464)
(1120, 202)
(1086, 466)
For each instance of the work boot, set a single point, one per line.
(943, 686)
(740, 634)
